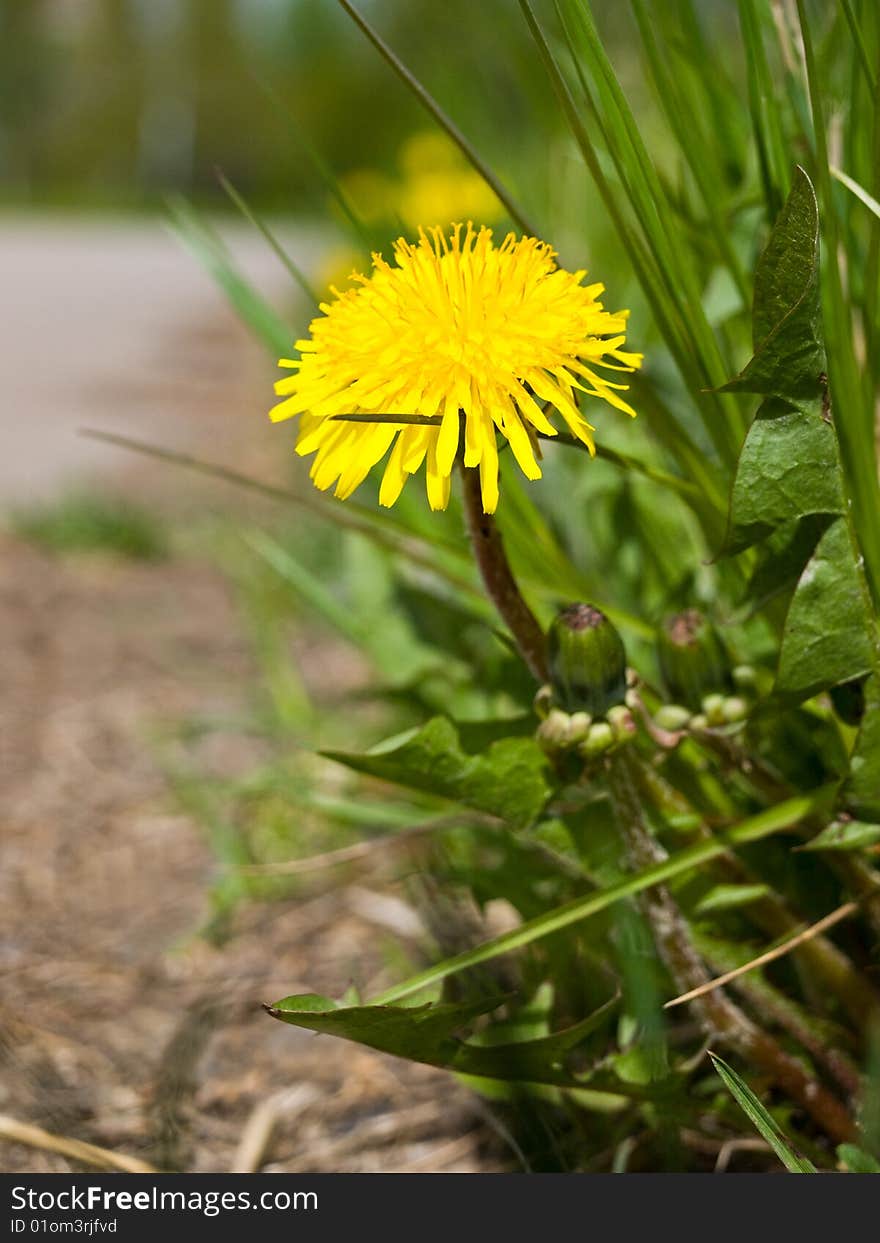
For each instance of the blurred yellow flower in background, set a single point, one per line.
(439, 184)
(434, 182)
(474, 340)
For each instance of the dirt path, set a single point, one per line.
(111, 323)
(120, 1026)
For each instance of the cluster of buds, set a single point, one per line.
(588, 706)
(707, 692)
(583, 707)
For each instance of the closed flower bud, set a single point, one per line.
(672, 717)
(734, 709)
(713, 707)
(587, 660)
(745, 679)
(599, 740)
(579, 726)
(693, 660)
(622, 724)
(554, 732)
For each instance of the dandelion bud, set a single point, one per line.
(587, 660)
(693, 659)
(554, 732)
(672, 717)
(745, 679)
(734, 709)
(579, 726)
(598, 741)
(713, 707)
(622, 724)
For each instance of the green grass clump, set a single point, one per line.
(92, 523)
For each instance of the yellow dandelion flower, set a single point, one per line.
(480, 339)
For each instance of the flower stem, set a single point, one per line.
(501, 586)
(717, 1013)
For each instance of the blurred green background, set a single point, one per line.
(116, 102)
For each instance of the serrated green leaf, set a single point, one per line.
(423, 1033)
(827, 636)
(510, 779)
(763, 1122)
(782, 557)
(789, 353)
(426, 1033)
(789, 468)
(845, 835)
(861, 793)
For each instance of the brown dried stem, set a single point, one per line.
(717, 1013)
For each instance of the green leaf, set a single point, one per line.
(845, 835)
(763, 1122)
(509, 780)
(426, 1033)
(827, 637)
(856, 1160)
(789, 468)
(423, 1033)
(730, 897)
(772, 820)
(789, 354)
(781, 559)
(861, 793)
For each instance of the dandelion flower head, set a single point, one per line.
(475, 340)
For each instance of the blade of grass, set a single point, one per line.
(306, 585)
(683, 487)
(778, 951)
(716, 86)
(773, 153)
(775, 819)
(443, 120)
(250, 215)
(854, 418)
(761, 1119)
(650, 204)
(210, 251)
(324, 172)
(648, 257)
(388, 535)
(700, 155)
(859, 191)
(864, 59)
(666, 312)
